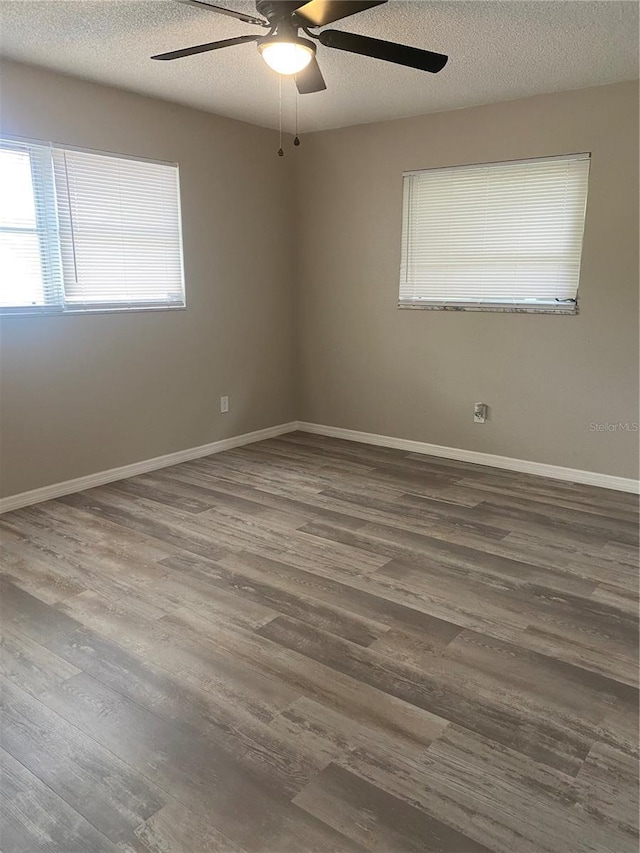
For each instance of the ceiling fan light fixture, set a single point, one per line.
(287, 56)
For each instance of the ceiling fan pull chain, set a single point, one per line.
(280, 149)
(296, 140)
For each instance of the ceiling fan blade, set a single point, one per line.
(203, 48)
(319, 13)
(389, 51)
(241, 16)
(310, 79)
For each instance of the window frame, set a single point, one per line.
(45, 193)
(569, 307)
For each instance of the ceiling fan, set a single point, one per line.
(287, 53)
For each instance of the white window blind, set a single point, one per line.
(29, 255)
(87, 231)
(500, 235)
(119, 225)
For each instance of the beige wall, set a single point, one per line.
(84, 394)
(365, 365)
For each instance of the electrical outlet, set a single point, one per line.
(479, 413)
(224, 404)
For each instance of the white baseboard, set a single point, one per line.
(79, 484)
(541, 469)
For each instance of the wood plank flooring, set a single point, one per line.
(309, 645)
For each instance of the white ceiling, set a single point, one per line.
(498, 51)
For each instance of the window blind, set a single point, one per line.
(119, 225)
(86, 231)
(29, 256)
(494, 235)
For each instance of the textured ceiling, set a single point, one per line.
(498, 51)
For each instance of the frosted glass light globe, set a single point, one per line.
(286, 57)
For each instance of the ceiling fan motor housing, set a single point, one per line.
(277, 11)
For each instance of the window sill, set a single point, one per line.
(78, 312)
(500, 309)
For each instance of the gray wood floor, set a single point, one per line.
(309, 645)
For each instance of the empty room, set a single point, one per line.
(319, 426)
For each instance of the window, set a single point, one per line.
(500, 236)
(86, 231)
